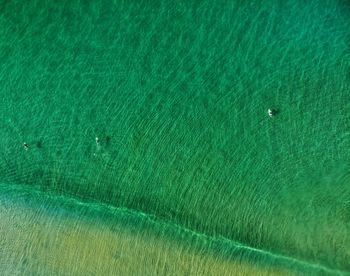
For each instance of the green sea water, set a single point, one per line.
(177, 93)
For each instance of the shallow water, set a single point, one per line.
(178, 96)
(58, 235)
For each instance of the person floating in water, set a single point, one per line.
(98, 146)
(271, 112)
(25, 146)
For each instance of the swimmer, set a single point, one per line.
(271, 112)
(25, 146)
(98, 146)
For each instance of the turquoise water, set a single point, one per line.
(178, 95)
